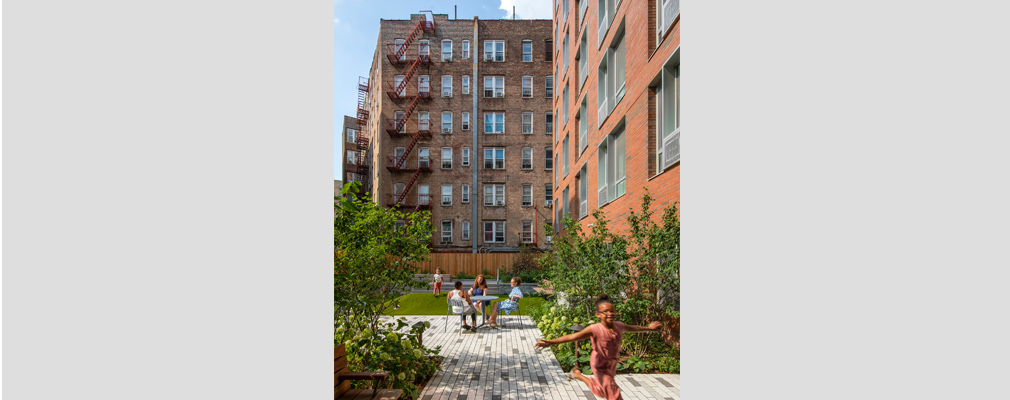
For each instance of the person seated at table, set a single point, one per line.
(510, 304)
(459, 293)
(479, 289)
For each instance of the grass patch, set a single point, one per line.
(426, 304)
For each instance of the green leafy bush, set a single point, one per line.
(408, 362)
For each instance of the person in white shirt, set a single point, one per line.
(463, 311)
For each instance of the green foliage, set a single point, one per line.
(408, 362)
(555, 322)
(462, 275)
(373, 261)
(524, 262)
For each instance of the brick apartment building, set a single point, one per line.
(459, 115)
(352, 157)
(618, 131)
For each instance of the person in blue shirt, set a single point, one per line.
(510, 304)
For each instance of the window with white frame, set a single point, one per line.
(398, 117)
(398, 85)
(466, 84)
(527, 122)
(466, 156)
(423, 159)
(564, 106)
(527, 86)
(610, 89)
(549, 122)
(397, 45)
(422, 121)
(494, 50)
(352, 157)
(447, 158)
(564, 56)
(669, 11)
(557, 171)
(447, 50)
(423, 196)
(466, 50)
(564, 202)
(604, 16)
(494, 231)
(583, 57)
(494, 158)
(422, 47)
(423, 85)
(668, 104)
(465, 189)
(465, 122)
(583, 126)
(446, 121)
(494, 195)
(527, 158)
(466, 230)
(549, 86)
(527, 51)
(564, 157)
(399, 155)
(548, 158)
(494, 122)
(446, 194)
(527, 194)
(352, 135)
(548, 195)
(446, 85)
(398, 189)
(611, 164)
(583, 181)
(446, 231)
(527, 231)
(494, 86)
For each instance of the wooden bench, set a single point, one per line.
(342, 378)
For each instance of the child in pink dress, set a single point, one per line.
(606, 340)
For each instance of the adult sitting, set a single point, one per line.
(458, 293)
(510, 304)
(479, 289)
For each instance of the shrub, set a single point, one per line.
(408, 362)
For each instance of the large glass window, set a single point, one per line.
(494, 86)
(494, 195)
(611, 174)
(494, 122)
(494, 231)
(494, 158)
(494, 50)
(668, 133)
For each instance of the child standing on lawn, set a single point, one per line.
(606, 341)
(436, 282)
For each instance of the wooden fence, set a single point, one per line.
(468, 263)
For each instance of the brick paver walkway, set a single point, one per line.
(503, 364)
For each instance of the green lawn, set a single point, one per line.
(426, 304)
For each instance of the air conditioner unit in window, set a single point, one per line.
(447, 238)
(548, 238)
(499, 202)
(446, 92)
(446, 130)
(499, 93)
(547, 203)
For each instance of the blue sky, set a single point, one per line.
(356, 29)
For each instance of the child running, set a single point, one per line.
(606, 341)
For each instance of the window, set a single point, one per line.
(399, 225)
(423, 197)
(494, 231)
(548, 158)
(352, 157)
(665, 18)
(547, 236)
(527, 51)
(465, 121)
(494, 195)
(494, 50)
(446, 50)
(549, 122)
(527, 194)
(583, 118)
(447, 158)
(557, 171)
(446, 121)
(611, 78)
(527, 86)
(446, 231)
(564, 202)
(548, 50)
(398, 154)
(564, 158)
(397, 45)
(398, 86)
(423, 161)
(668, 104)
(494, 122)
(583, 181)
(446, 85)
(422, 121)
(466, 84)
(603, 17)
(466, 156)
(422, 47)
(466, 49)
(527, 122)
(494, 158)
(549, 86)
(611, 175)
(398, 117)
(398, 189)
(494, 86)
(564, 106)
(352, 135)
(446, 194)
(527, 158)
(583, 57)
(466, 230)
(564, 56)
(548, 195)
(564, 11)
(527, 231)
(465, 189)
(423, 85)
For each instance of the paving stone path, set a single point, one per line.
(503, 364)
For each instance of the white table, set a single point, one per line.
(482, 312)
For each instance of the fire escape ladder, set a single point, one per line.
(362, 122)
(410, 110)
(414, 33)
(413, 142)
(406, 189)
(407, 75)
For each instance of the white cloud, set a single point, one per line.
(336, 21)
(528, 9)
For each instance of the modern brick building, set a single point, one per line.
(352, 157)
(618, 131)
(459, 115)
